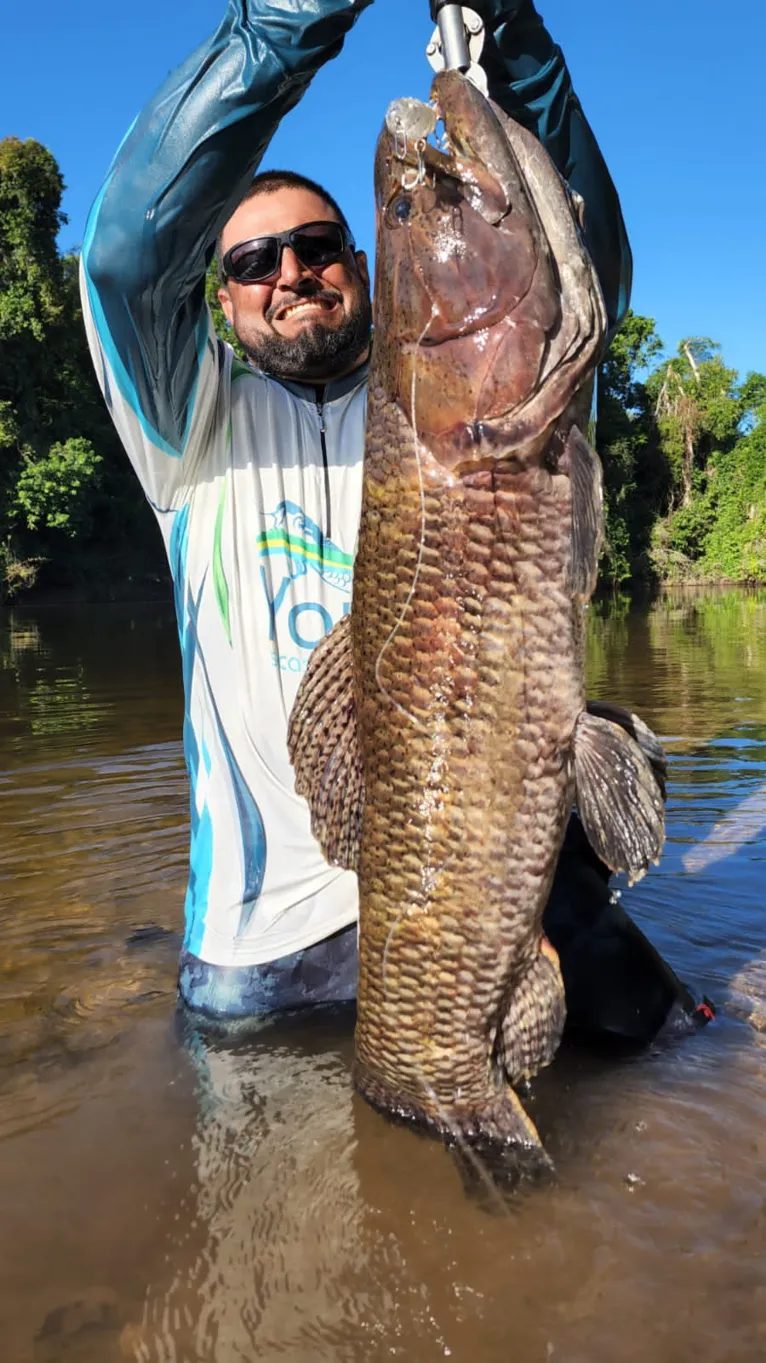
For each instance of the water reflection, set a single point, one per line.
(170, 1194)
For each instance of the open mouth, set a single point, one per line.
(306, 307)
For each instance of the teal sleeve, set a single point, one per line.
(175, 180)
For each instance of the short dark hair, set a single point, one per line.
(269, 182)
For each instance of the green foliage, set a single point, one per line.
(714, 433)
(635, 472)
(734, 548)
(698, 410)
(58, 492)
(212, 285)
(70, 506)
(31, 186)
(682, 445)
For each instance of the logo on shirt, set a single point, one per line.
(292, 536)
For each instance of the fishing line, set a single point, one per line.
(406, 910)
(397, 624)
(421, 488)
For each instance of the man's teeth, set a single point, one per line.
(309, 304)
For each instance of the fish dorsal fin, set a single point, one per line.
(324, 748)
(618, 798)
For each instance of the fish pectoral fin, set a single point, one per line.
(583, 465)
(531, 1031)
(646, 739)
(619, 801)
(324, 749)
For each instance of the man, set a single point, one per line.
(255, 472)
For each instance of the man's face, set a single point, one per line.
(311, 325)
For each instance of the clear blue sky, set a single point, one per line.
(675, 90)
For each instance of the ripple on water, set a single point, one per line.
(234, 1195)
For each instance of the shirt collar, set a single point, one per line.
(337, 388)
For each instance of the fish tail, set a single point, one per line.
(499, 1132)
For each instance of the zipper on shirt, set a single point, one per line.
(322, 436)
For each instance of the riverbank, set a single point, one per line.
(95, 578)
(137, 589)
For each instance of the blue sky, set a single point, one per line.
(675, 90)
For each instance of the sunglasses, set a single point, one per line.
(315, 244)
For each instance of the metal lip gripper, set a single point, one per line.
(457, 41)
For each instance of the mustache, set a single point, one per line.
(316, 292)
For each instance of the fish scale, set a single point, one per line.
(503, 768)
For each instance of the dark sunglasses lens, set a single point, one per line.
(255, 261)
(319, 245)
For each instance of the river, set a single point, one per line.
(173, 1196)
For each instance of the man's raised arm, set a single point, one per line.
(177, 176)
(528, 78)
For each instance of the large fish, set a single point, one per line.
(441, 734)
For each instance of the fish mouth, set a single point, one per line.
(465, 205)
(476, 152)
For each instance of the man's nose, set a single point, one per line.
(291, 271)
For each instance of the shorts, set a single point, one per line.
(322, 973)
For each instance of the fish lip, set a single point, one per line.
(474, 136)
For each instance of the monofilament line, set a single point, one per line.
(411, 593)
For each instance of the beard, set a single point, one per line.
(318, 353)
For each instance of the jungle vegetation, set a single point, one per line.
(682, 437)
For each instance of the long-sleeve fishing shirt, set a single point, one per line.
(255, 483)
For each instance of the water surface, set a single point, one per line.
(170, 1196)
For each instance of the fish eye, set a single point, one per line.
(401, 208)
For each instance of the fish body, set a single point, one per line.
(441, 734)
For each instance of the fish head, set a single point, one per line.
(470, 306)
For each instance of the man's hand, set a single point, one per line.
(490, 10)
(493, 11)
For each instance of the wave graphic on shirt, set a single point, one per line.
(293, 534)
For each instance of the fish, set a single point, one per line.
(441, 734)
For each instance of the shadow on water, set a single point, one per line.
(172, 1195)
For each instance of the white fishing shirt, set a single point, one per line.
(260, 515)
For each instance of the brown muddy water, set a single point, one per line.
(168, 1196)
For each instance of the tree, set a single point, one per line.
(58, 492)
(66, 490)
(698, 409)
(635, 476)
(31, 296)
